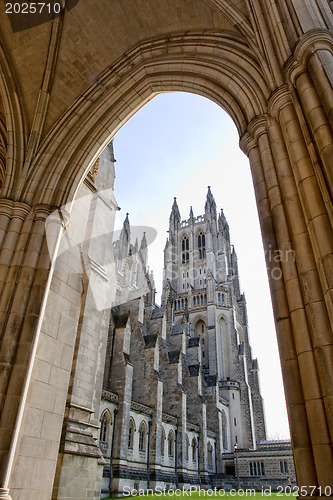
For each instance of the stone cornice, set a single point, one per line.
(192, 427)
(169, 419)
(140, 408)
(211, 434)
(110, 396)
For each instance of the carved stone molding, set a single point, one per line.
(310, 43)
(278, 100)
(246, 143)
(258, 127)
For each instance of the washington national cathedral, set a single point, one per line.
(181, 392)
(101, 389)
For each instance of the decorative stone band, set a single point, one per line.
(169, 419)
(310, 43)
(14, 208)
(229, 384)
(4, 494)
(110, 396)
(140, 408)
(279, 98)
(192, 427)
(257, 127)
(246, 143)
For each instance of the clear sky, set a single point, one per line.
(177, 145)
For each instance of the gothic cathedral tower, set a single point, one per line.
(201, 288)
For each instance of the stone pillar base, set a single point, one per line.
(4, 494)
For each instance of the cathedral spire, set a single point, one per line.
(191, 214)
(175, 210)
(125, 239)
(143, 244)
(144, 250)
(223, 225)
(174, 216)
(210, 205)
(126, 227)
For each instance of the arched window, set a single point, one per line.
(142, 436)
(171, 443)
(210, 454)
(224, 431)
(105, 426)
(185, 250)
(194, 450)
(162, 441)
(202, 245)
(187, 447)
(131, 430)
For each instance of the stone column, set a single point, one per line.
(305, 355)
(28, 413)
(290, 369)
(288, 173)
(318, 125)
(314, 54)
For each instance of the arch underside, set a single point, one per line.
(220, 68)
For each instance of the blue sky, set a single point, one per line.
(177, 145)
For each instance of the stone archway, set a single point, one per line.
(280, 98)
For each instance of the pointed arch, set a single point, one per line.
(171, 443)
(12, 140)
(207, 62)
(163, 438)
(194, 449)
(187, 447)
(224, 346)
(200, 328)
(105, 422)
(131, 431)
(210, 455)
(224, 431)
(185, 247)
(143, 436)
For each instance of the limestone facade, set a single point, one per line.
(180, 387)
